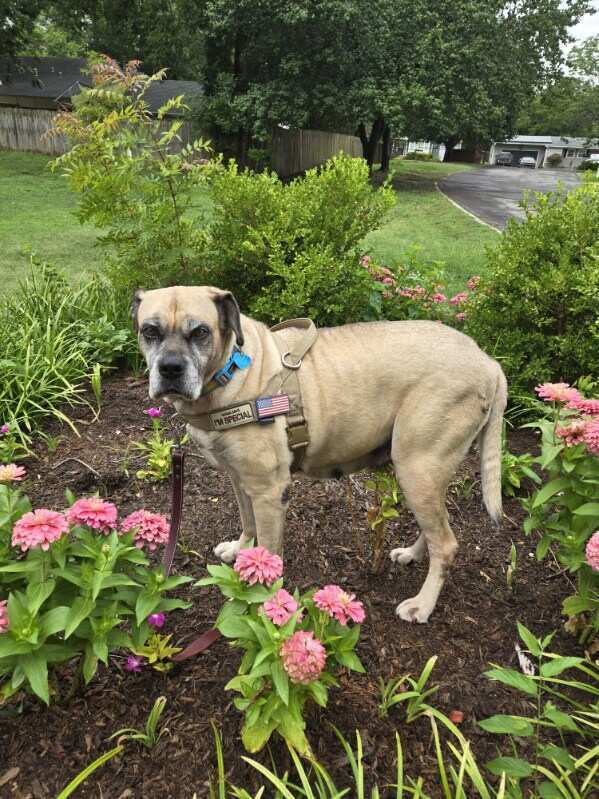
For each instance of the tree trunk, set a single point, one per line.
(386, 149)
(369, 143)
(449, 145)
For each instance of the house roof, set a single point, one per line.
(571, 142)
(60, 79)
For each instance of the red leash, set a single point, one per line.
(204, 641)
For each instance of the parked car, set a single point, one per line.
(504, 159)
(528, 161)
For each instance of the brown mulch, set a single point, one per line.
(326, 541)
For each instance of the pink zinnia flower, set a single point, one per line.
(258, 565)
(281, 607)
(591, 436)
(303, 657)
(11, 473)
(588, 406)
(438, 297)
(473, 282)
(93, 512)
(557, 392)
(405, 293)
(387, 295)
(592, 551)
(4, 622)
(419, 290)
(135, 663)
(4, 429)
(153, 412)
(388, 281)
(156, 620)
(573, 434)
(459, 317)
(340, 605)
(459, 298)
(39, 528)
(150, 528)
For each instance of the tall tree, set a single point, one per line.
(17, 19)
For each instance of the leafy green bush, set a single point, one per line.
(293, 249)
(537, 312)
(53, 335)
(565, 510)
(80, 591)
(554, 159)
(588, 166)
(418, 156)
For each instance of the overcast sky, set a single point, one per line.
(589, 25)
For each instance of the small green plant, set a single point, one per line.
(72, 588)
(564, 511)
(553, 770)
(80, 778)
(293, 645)
(406, 689)
(514, 468)
(151, 734)
(464, 487)
(511, 569)
(158, 449)
(387, 497)
(96, 384)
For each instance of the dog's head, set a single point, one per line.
(183, 333)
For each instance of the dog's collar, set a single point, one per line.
(236, 360)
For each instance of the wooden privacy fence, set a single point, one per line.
(27, 129)
(294, 151)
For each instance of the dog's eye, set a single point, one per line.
(151, 333)
(200, 333)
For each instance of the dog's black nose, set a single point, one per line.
(171, 367)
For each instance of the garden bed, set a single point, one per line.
(327, 541)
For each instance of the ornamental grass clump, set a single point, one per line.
(77, 586)
(293, 644)
(565, 510)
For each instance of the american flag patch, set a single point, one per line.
(266, 407)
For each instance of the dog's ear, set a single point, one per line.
(229, 316)
(137, 298)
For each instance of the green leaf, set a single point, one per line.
(351, 661)
(548, 790)
(557, 753)
(37, 593)
(588, 509)
(235, 627)
(319, 693)
(90, 664)
(280, 680)
(514, 679)
(561, 720)
(512, 766)
(10, 647)
(146, 603)
(529, 640)
(507, 725)
(552, 668)
(573, 605)
(549, 490)
(80, 610)
(54, 621)
(255, 737)
(36, 670)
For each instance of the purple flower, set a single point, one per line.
(4, 429)
(156, 620)
(153, 412)
(134, 663)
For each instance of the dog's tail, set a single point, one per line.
(490, 450)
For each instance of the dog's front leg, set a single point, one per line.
(270, 507)
(227, 550)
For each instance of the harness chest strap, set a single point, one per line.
(285, 382)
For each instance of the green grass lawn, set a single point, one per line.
(37, 216)
(424, 219)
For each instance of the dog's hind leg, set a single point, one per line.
(415, 552)
(426, 456)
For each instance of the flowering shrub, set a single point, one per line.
(413, 292)
(565, 509)
(74, 585)
(293, 644)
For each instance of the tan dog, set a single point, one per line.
(414, 393)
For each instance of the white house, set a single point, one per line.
(572, 151)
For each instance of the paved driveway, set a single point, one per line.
(493, 193)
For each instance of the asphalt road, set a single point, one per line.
(493, 193)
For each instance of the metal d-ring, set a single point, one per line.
(290, 365)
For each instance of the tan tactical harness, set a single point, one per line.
(292, 353)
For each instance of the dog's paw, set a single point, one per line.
(227, 551)
(404, 555)
(414, 609)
